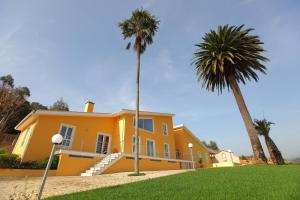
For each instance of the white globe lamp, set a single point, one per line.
(57, 139)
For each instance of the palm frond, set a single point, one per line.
(228, 51)
(142, 25)
(263, 126)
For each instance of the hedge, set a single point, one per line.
(12, 161)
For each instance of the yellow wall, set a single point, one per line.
(156, 135)
(182, 139)
(25, 172)
(127, 165)
(73, 166)
(121, 129)
(25, 138)
(84, 137)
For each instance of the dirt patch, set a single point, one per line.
(69, 184)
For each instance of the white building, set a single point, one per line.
(226, 158)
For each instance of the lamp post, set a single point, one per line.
(56, 139)
(190, 145)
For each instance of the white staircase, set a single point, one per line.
(99, 167)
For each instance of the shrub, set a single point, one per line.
(55, 162)
(242, 157)
(14, 162)
(9, 161)
(2, 151)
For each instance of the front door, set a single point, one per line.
(103, 144)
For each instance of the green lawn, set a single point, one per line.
(251, 182)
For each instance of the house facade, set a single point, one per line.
(97, 143)
(225, 158)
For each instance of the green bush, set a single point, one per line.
(14, 162)
(2, 151)
(9, 161)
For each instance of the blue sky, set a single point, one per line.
(74, 49)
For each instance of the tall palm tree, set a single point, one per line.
(263, 128)
(229, 56)
(141, 26)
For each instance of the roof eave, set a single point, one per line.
(195, 137)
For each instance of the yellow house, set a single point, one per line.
(96, 143)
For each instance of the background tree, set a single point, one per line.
(37, 106)
(7, 81)
(60, 105)
(263, 128)
(13, 104)
(229, 56)
(212, 145)
(142, 27)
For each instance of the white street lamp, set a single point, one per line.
(56, 139)
(190, 145)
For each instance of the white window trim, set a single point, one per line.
(224, 157)
(109, 143)
(169, 153)
(73, 135)
(154, 149)
(133, 136)
(142, 128)
(200, 153)
(167, 129)
(207, 157)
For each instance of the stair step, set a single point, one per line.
(86, 174)
(100, 166)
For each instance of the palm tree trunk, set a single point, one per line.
(136, 158)
(256, 145)
(275, 154)
(268, 144)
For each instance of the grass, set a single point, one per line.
(250, 182)
(137, 174)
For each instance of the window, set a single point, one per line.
(146, 124)
(165, 128)
(67, 134)
(199, 156)
(25, 136)
(103, 144)
(207, 157)
(167, 151)
(133, 144)
(150, 148)
(224, 157)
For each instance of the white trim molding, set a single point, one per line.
(34, 114)
(158, 158)
(195, 137)
(78, 153)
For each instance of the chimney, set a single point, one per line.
(89, 106)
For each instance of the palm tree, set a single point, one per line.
(227, 57)
(263, 128)
(141, 26)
